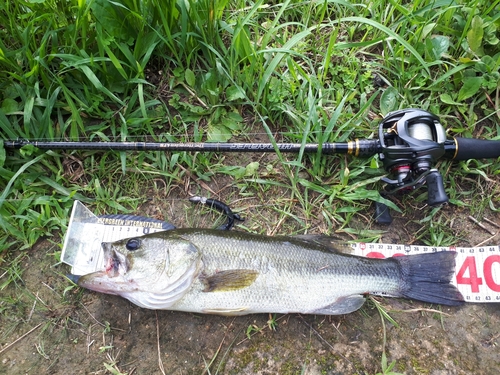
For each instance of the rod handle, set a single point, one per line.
(470, 148)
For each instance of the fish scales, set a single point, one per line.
(294, 276)
(235, 273)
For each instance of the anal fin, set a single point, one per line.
(343, 305)
(227, 312)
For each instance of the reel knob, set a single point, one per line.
(436, 195)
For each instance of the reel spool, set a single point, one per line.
(421, 131)
(411, 141)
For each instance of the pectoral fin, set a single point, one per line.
(228, 280)
(344, 305)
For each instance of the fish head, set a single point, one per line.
(148, 264)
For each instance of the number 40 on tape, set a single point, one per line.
(478, 273)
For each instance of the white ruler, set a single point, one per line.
(477, 272)
(86, 232)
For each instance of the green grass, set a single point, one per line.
(217, 70)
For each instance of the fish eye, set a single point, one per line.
(133, 244)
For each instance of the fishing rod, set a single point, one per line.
(410, 143)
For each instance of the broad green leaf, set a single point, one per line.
(234, 116)
(475, 34)
(427, 29)
(28, 112)
(447, 99)
(27, 150)
(110, 15)
(490, 35)
(238, 172)
(440, 45)
(9, 105)
(178, 72)
(471, 86)
(230, 123)
(234, 93)
(251, 168)
(218, 133)
(388, 100)
(190, 77)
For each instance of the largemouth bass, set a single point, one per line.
(235, 273)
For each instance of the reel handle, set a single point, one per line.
(382, 213)
(436, 195)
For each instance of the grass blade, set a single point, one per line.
(390, 34)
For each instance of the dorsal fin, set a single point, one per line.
(330, 243)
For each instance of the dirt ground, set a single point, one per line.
(49, 327)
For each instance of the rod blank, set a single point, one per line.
(357, 148)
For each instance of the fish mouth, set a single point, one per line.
(97, 281)
(111, 260)
(111, 267)
(106, 279)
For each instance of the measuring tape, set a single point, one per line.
(477, 271)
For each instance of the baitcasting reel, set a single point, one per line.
(411, 141)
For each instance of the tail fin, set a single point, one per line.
(427, 278)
